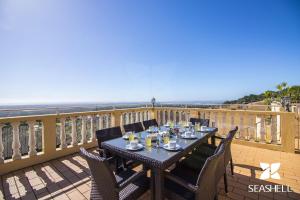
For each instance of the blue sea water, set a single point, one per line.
(43, 109)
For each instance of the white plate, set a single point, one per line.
(188, 137)
(138, 147)
(167, 147)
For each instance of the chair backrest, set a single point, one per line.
(102, 175)
(203, 122)
(227, 142)
(148, 123)
(108, 134)
(210, 174)
(135, 127)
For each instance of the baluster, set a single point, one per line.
(1, 144)
(134, 117)
(109, 120)
(138, 119)
(101, 121)
(74, 133)
(258, 128)
(32, 139)
(83, 130)
(106, 121)
(130, 118)
(16, 142)
(263, 129)
(62, 133)
(188, 116)
(126, 118)
(278, 134)
(93, 130)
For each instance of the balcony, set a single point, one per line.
(38, 154)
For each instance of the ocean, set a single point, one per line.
(43, 109)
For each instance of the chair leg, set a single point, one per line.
(231, 165)
(225, 182)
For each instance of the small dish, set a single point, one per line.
(184, 136)
(131, 148)
(167, 147)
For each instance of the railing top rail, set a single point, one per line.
(124, 110)
(72, 114)
(257, 112)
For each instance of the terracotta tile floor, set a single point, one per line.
(68, 177)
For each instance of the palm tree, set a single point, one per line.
(282, 89)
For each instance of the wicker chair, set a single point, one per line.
(107, 134)
(184, 183)
(135, 127)
(203, 122)
(148, 123)
(107, 186)
(202, 152)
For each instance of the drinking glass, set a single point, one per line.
(131, 137)
(166, 139)
(148, 141)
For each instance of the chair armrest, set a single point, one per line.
(132, 178)
(181, 182)
(218, 137)
(101, 151)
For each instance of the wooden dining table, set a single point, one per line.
(157, 158)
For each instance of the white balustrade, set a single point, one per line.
(101, 121)
(63, 143)
(32, 139)
(93, 130)
(1, 145)
(83, 130)
(74, 132)
(127, 118)
(106, 121)
(16, 141)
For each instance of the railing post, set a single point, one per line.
(16, 141)
(288, 130)
(49, 136)
(1, 145)
(116, 118)
(74, 133)
(153, 114)
(32, 139)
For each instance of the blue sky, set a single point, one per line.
(111, 51)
